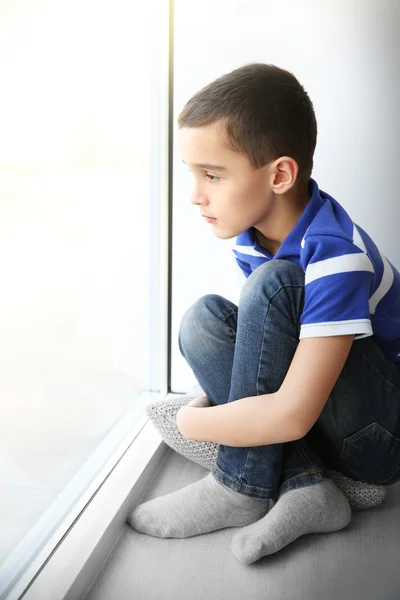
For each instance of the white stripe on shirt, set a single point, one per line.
(357, 239)
(338, 264)
(361, 326)
(384, 286)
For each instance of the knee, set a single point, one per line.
(285, 268)
(272, 276)
(196, 318)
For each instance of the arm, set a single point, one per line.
(280, 417)
(245, 422)
(314, 370)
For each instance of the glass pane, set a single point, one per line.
(76, 107)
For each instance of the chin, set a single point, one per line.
(226, 233)
(224, 236)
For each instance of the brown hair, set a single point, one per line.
(266, 113)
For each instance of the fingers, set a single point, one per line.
(200, 401)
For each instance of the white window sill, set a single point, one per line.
(66, 572)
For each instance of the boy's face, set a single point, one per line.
(238, 196)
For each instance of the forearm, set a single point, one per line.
(251, 421)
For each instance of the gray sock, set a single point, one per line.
(317, 508)
(201, 507)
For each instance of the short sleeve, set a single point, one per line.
(338, 280)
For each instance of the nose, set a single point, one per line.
(197, 197)
(194, 198)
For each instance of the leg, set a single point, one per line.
(233, 356)
(357, 433)
(263, 335)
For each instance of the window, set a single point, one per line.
(82, 192)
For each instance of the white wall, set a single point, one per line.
(346, 53)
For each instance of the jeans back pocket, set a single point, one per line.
(372, 454)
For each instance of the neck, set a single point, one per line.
(286, 211)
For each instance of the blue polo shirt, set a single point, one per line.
(350, 286)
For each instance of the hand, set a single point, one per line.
(201, 401)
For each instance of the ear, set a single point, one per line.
(284, 174)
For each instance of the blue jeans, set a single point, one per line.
(246, 351)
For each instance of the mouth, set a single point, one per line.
(209, 218)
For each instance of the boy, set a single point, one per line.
(305, 374)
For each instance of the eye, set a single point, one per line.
(209, 175)
(215, 177)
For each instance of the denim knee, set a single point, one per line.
(196, 317)
(274, 274)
